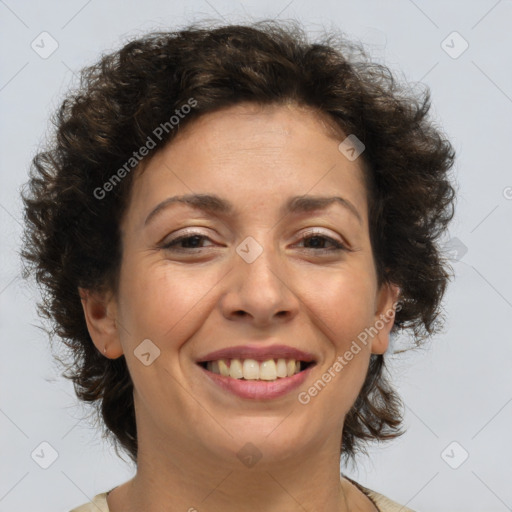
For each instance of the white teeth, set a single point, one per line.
(268, 370)
(281, 368)
(250, 369)
(236, 370)
(224, 368)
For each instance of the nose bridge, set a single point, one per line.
(257, 261)
(257, 285)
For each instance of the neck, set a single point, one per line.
(174, 476)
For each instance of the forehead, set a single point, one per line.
(270, 125)
(251, 154)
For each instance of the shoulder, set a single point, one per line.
(383, 503)
(98, 504)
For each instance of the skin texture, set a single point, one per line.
(190, 302)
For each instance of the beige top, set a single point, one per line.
(383, 504)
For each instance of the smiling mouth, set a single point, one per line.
(250, 369)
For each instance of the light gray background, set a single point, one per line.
(459, 389)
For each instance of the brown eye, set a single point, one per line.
(186, 242)
(318, 242)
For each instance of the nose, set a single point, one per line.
(260, 293)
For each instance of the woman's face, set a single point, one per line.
(246, 279)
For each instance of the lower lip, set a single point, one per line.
(259, 389)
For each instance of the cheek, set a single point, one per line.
(167, 306)
(163, 303)
(343, 303)
(343, 308)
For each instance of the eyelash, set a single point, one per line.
(338, 246)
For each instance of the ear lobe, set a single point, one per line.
(384, 316)
(100, 317)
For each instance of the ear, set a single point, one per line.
(386, 304)
(100, 315)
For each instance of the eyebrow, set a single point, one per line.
(211, 203)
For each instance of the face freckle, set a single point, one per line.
(247, 261)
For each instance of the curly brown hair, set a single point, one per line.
(72, 238)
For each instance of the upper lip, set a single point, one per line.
(258, 353)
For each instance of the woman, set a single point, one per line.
(229, 226)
